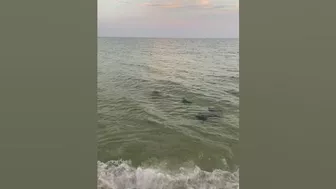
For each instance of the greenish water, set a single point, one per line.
(147, 137)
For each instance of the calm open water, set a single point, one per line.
(147, 137)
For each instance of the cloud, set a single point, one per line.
(226, 7)
(122, 1)
(205, 2)
(164, 5)
(192, 4)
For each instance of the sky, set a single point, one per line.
(168, 18)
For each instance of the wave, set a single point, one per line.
(121, 175)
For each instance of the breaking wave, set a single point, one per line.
(121, 175)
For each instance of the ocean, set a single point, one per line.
(168, 113)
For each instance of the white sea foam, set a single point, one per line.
(121, 175)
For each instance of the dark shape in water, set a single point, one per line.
(185, 101)
(156, 93)
(205, 115)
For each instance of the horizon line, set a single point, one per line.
(167, 37)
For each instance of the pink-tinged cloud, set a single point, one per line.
(205, 2)
(169, 18)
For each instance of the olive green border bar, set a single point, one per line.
(48, 94)
(288, 91)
